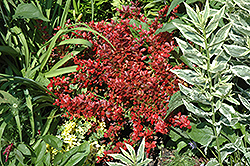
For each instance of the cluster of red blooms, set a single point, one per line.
(7, 151)
(128, 87)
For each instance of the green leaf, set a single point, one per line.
(236, 51)
(190, 76)
(65, 13)
(40, 151)
(58, 158)
(227, 111)
(226, 150)
(219, 63)
(30, 110)
(140, 152)
(46, 159)
(193, 15)
(121, 158)
(75, 159)
(244, 101)
(2, 127)
(222, 90)
(76, 41)
(197, 111)
(131, 151)
(60, 71)
(213, 162)
(23, 148)
(53, 141)
(192, 54)
(68, 154)
(29, 10)
(168, 26)
(174, 3)
(242, 72)
(7, 98)
(191, 34)
(206, 12)
(219, 38)
(181, 145)
(213, 24)
(201, 133)
(19, 156)
(9, 50)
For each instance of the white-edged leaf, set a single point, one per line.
(145, 162)
(140, 152)
(192, 54)
(193, 15)
(191, 34)
(206, 12)
(212, 162)
(227, 111)
(125, 153)
(190, 76)
(236, 51)
(196, 111)
(242, 72)
(220, 62)
(131, 151)
(213, 24)
(121, 158)
(115, 164)
(227, 149)
(245, 102)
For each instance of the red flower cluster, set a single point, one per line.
(7, 151)
(127, 87)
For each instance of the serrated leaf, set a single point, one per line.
(29, 10)
(53, 141)
(121, 158)
(191, 34)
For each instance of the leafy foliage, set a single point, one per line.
(211, 79)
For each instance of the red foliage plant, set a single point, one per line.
(128, 87)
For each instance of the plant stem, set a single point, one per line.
(211, 91)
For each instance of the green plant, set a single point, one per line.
(131, 158)
(217, 126)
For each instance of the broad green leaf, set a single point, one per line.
(76, 158)
(236, 51)
(40, 151)
(140, 152)
(58, 158)
(219, 38)
(192, 54)
(181, 145)
(76, 41)
(46, 127)
(53, 141)
(60, 71)
(68, 154)
(29, 10)
(18, 123)
(190, 76)
(175, 102)
(19, 156)
(173, 4)
(244, 101)
(23, 148)
(197, 111)
(191, 34)
(7, 98)
(121, 158)
(46, 159)
(9, 50)
(213, 23)
(242, 72)
(201, 133)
